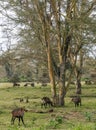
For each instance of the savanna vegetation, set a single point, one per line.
(62, 118)
(48, 48)
(52, 39)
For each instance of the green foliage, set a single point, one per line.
(29, 76)
(55, 122)
(42, 127)
(88, 116)
(8, 68)
(52, 124)
(23, 78)
(33, 120)
(95, 126)
(80, 126)
(59, 119)
(5, 79)
(15, 78)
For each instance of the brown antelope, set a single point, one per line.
(76, 100)
(18, 113)
(46, 101)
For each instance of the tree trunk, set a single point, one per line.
(62, 93)
(78, 80)
(51, 75)
(78, 86)
(62, 90)
(79, 74)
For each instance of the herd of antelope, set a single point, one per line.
(46, 101)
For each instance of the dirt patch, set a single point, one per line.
(74, 116)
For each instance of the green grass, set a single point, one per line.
(63, 118)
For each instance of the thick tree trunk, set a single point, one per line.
(78, 81)
(62, 93)
(79, 74)
(63, 50)
(62, 90)
(78, 87)
(51, 75)
(46, 30)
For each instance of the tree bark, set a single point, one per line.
(78, 83)
(78, 72)
(62, 90)
(51, 73)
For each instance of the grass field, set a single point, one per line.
(62, 118)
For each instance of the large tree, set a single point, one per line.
(60, 27)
